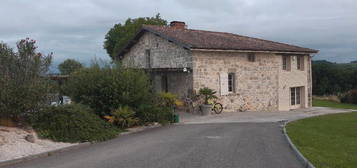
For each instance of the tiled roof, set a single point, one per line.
(200, 39)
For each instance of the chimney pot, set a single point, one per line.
(178, 25)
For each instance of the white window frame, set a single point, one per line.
(295, 96)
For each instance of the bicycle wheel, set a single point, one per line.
(218, 108)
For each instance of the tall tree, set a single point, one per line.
(121, 34)
(68, 66)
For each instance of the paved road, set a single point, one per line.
(259, 117)
(246, 145)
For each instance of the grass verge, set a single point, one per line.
(328, 141)
(327, 103)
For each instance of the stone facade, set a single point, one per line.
(163, 54)
(256, 82)
(261, 85)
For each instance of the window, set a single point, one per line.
(300, 62)
(147, 56)
(286, 62)
(295, 95)
(231, 82)
(251, 57)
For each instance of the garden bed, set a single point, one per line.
(13, 144)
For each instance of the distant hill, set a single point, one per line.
(322, 62)
(353, 62)
(333, 78)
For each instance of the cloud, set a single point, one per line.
(76, 29)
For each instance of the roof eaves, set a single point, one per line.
(130, 43)
(261, 51)
(141, 32)
(170, 39)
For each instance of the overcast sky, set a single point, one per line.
(76, 29)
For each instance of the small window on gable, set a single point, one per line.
(251, 57)
(147, 57)
(231, 82)
(286, 62)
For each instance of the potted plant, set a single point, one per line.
(207, 94)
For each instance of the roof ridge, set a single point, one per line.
(229, 33)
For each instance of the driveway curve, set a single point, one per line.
(238, 145)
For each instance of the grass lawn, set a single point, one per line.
(328, 141)
(326, 103)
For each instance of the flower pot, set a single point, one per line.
(206, 109)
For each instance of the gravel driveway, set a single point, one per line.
(238, 145)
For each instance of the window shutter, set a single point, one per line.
(223, 78)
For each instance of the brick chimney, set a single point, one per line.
(178, 25)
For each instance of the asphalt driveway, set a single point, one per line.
(248, 145)
(258, 117)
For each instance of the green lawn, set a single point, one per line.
(326, 103)
(328, 141)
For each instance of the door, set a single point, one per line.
(164, 83)
(295, 97)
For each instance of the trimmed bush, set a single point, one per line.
(350, 97)
(72, 123)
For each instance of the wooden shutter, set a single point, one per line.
(223, 78)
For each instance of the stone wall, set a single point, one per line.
(163, 54)
(260, 86)
(256, 82)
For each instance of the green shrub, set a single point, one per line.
(107, 88)
(23, 90)
(72, 123)
(124, 117)
(208, 94)
(350, 97)
(149, 113)
(167, 99)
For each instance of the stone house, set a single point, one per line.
(249, 73)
